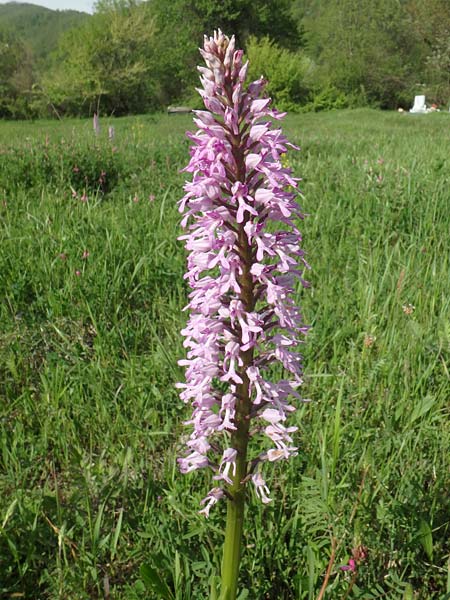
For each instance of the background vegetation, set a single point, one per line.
(91, 289)
(135, 57)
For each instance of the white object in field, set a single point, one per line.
(419, 105)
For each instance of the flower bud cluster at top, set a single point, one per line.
(242, 271)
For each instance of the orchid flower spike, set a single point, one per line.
(244, 329)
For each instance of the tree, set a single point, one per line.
(106, 63)
(181, 25)
(430, 25)
(362, 48)
(178, 36)
(244, 18)
(16, 76)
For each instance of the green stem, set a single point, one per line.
(234, 526)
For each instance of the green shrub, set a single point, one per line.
(329, 98)
(288, 73)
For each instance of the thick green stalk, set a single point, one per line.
(234, 526)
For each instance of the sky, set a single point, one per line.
(81, 5)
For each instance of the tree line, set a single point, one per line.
(136, 57)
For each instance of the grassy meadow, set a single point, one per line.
(91, 292)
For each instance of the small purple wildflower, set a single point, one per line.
(359, 554)
(351, 566)
(242, 272)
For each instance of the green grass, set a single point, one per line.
(91, 424)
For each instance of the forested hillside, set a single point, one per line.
(39, 28)
(29, 35)
(134, 57)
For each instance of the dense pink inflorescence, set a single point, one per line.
(242, 271)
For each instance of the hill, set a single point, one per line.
(38, 27)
